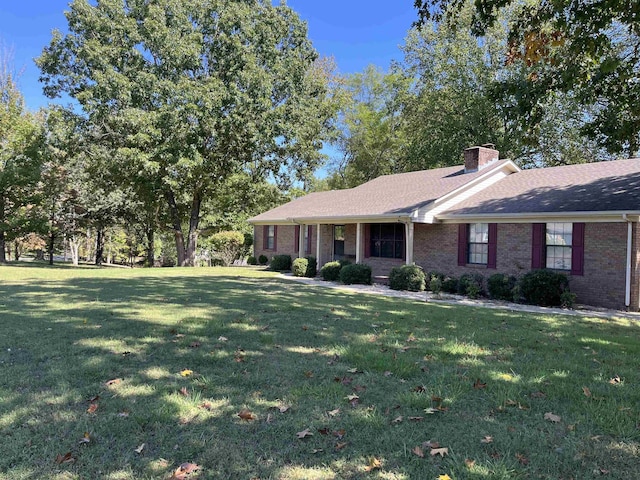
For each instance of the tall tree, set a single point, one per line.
(202, 90)
(588, 48)
(19, 161)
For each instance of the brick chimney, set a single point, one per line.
(476, 158)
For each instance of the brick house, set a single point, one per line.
(486, 217)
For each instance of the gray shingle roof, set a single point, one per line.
(398, 194)
(593, 187)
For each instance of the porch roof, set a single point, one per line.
(389, 196)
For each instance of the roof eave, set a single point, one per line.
(541, 217)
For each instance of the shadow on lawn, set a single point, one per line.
(260, 342)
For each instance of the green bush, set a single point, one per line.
(358, 273)
(227, 246)
(431, 275)
(304, 267)
(471, 285)
(450, 284)
(543, 287)
(435, 284)
(299, 267)
(263, 260)
(280, 263)
(330, 271)
(252, 260)
(407, 277)
(312, 267)
(568, 299)
(500, 286)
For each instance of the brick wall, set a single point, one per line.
(286, 242)
(603, 283)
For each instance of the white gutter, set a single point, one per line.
(627, 293)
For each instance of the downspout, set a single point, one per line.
(627, 293)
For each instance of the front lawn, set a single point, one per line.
(127, 374)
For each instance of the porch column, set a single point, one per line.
(358, 242)
(318, 243)
(408, 235)
(301, 246)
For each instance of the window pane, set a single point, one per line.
(387, 240)
(560, 234)
(338, 232)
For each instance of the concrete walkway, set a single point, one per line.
(449, 299)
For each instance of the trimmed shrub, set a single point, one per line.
(407, 277)
(312, 267)
(227, 246)
(543, 287)
(263, 260)
(299, 267)
(568, 299)
(280, 263)
(330, 271)
(450, 285)
(431, 275)
(358, 273)
(252, 260)
(500, 286)
(471, 285)
(435, 285)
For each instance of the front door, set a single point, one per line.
(338, 242)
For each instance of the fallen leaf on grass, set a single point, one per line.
(323, 431)
(418, 451)
(283, 408)
(184, 391)
(186, 372)
(615, 380)
(140, 448)
(222, 339)
(469, 463)
(182, 472)
(478, 385)
(333, 413)
(487, 439)
(444, 477)
(552, 418)
(439, 451)
(85, 439)
(92, 408)
(206, 405)
(341, 445)
(354, 370)
(420, 389)
(359, 388)
(66, 458)
(398, 419)
(339, 433)
(115, 381)
(304, 433)
(308, 374)
(245, 414)
(522, 459)
(374, 464)
(430, 444)
(416, 419)
(317, 450)
(94, 399)
(195, 344)
(387, 373)
(123, 414)
(344, 380)
(586, 391)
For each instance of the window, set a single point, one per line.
(387, 240)
(559, 241)
(478, 244)
(269, 237)
(338, 241)
(307, 239)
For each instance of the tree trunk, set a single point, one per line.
(74, 246)
(194, 222)
(16, 250)
(177, 227)
(3, 254)
(52, 239)
(99, 245)
(150, 247)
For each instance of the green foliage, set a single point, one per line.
(227, 246)
(299, 267)
(567, 299)
(407, 277)
(471, 284)
(280, 263)
(330, 271)
(543, 287)
(450, 284)
(435, 284)
(500, 286)
(189, 94)
(251, 260)
(304, 267)
(263, 260)
(358, 273)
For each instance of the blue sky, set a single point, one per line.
(355, 32)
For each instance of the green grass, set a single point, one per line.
(66, 332)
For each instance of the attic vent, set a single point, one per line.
(476, 158)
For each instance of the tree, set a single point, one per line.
(590, 49)
(371, 135)
(196, 91)
(19, 161)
